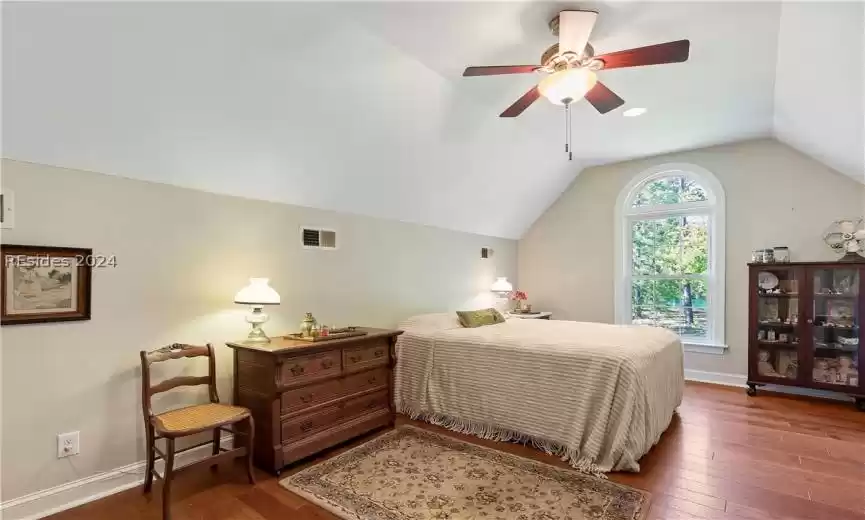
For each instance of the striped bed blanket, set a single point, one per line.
(598, 395)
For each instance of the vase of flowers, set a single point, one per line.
(518, 297)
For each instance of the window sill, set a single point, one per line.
(705, 348)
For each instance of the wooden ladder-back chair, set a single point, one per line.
(189, 420)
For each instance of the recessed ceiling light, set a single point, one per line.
(634, 112)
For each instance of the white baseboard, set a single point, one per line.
(740, 380)
(66, 496)
(717, 378)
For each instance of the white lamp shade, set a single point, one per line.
(258, 292)
(502, 285)
(567, 86)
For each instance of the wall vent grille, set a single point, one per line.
(316, 238)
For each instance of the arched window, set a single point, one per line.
(670, 254)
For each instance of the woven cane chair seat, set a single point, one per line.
(198, 417)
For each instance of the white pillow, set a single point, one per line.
(436, 321)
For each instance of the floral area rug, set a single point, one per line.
(414, 474)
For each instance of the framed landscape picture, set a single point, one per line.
(43, 284)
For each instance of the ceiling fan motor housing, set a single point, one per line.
(548, 58)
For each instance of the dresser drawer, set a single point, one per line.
(329, 416)
(303, 397)
(307, 424)
(370, 355)
(307, 446)
(300, 370)
(366, 404)
(363, 381)
(316, 393)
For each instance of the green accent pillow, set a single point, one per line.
(479, 318)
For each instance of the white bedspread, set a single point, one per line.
(598, 395)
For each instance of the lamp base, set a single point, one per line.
(257, 318)
(852, 258)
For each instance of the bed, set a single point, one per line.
(598, 395)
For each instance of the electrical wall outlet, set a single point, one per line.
(67, 444)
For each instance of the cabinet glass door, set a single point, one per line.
(778, 326)
(835, 327)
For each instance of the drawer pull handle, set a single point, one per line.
(306, 426)
(354, 359)
(372, 380)
(306, 398)
(327, 363)
(297, 370)
(372, 405)
(379, 353)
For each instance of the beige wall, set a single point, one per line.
(181, 256)
(775, 196)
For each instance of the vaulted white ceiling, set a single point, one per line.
(819, 89)
(361, 107)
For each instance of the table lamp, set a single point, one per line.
(257, 294)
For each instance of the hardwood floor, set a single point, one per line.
(725, 457)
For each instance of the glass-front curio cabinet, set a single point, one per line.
(804, 327)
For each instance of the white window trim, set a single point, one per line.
(715, 208)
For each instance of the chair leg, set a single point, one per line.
(151, 458)
(217, 438)
(250, 446)
(166, 480)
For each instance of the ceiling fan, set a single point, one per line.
(571, 65)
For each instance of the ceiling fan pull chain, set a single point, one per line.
(570, 136)
(568, 132)
(567, 141)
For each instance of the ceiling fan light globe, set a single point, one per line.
(567, 85)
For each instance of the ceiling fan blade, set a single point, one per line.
(603, 99)
(494, 70)
(523, 103)
(670, 52)
(574, 30)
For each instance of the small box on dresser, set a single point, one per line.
(306, 397)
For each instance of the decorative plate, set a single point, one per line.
(767, 280)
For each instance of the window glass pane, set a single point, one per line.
(696, 324)
(668, 293)
(643, 241)
(670, 246)
(695, 244)
(670, 190)
(675, 304)
(670, 317)
(693, 301)
(643, 302)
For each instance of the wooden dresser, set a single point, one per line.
(306, 397)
